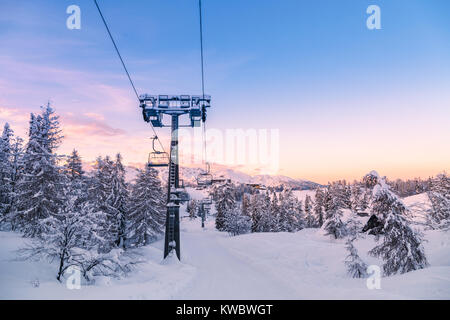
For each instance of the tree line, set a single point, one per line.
(399, 243)
(87, 220)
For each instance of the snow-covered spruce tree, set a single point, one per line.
(246, 204)
(290, 216)
(236, 222)
(109, 195)
(192, 208)
(439, 195)
(318, 207)
(340, 193)
(310, 221)
(39, 191)
(76, 181)
(5, 170)
(225, 199)
(333, 223)
(147, 212)
(401, 247)
(356, 196)
(263, 219)
(273, 215)
(74, 166)
(356, 268)
(16, 166)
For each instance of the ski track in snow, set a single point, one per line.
(221, 274)
(302, 265)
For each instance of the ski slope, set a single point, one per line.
(302, 265)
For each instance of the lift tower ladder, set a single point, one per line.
(153, 110)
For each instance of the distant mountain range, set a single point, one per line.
(189, 175)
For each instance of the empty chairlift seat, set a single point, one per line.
(204, 179)
(157, 158)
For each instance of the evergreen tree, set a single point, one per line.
(147, 210)
(287, 212)
(236, 222)
(263, 220)
(75, 179)
(5, 170)
(309, 214)
(276, 212)
(74, 167)
(16, 166)
(439, 195)
(109, 195)
(333, 223)
(401, 248)
(318, 207)
(356, 268)
(40, 187)
(225, 199)
(356, 197)
(246, 205)
(192, 208)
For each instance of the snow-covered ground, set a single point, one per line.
(302, 265)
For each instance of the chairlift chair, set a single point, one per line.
(157, 158)
(205, 178)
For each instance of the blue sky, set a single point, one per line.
(346, 99)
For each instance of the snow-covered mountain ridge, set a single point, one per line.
(189, 175)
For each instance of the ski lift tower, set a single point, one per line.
(153, 110)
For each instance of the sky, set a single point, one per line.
(345, 99)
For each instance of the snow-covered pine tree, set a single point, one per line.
(76, 180)
(147, 211)
(401, 247)
(290, 214)
(274, 211)
(363, 205)
(74, 166)
(5, 170)
(117, 202)
(40, 189)
(246, 204)
(356, 196)
(356, 268)
(439, 195)
(333, 223)
(318, 207)
(16, 166)
(192, 208)
(263, 219)
(109, 195)
(310, 220)
(236, 222)
(225, 199)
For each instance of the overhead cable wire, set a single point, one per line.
(124, 66)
